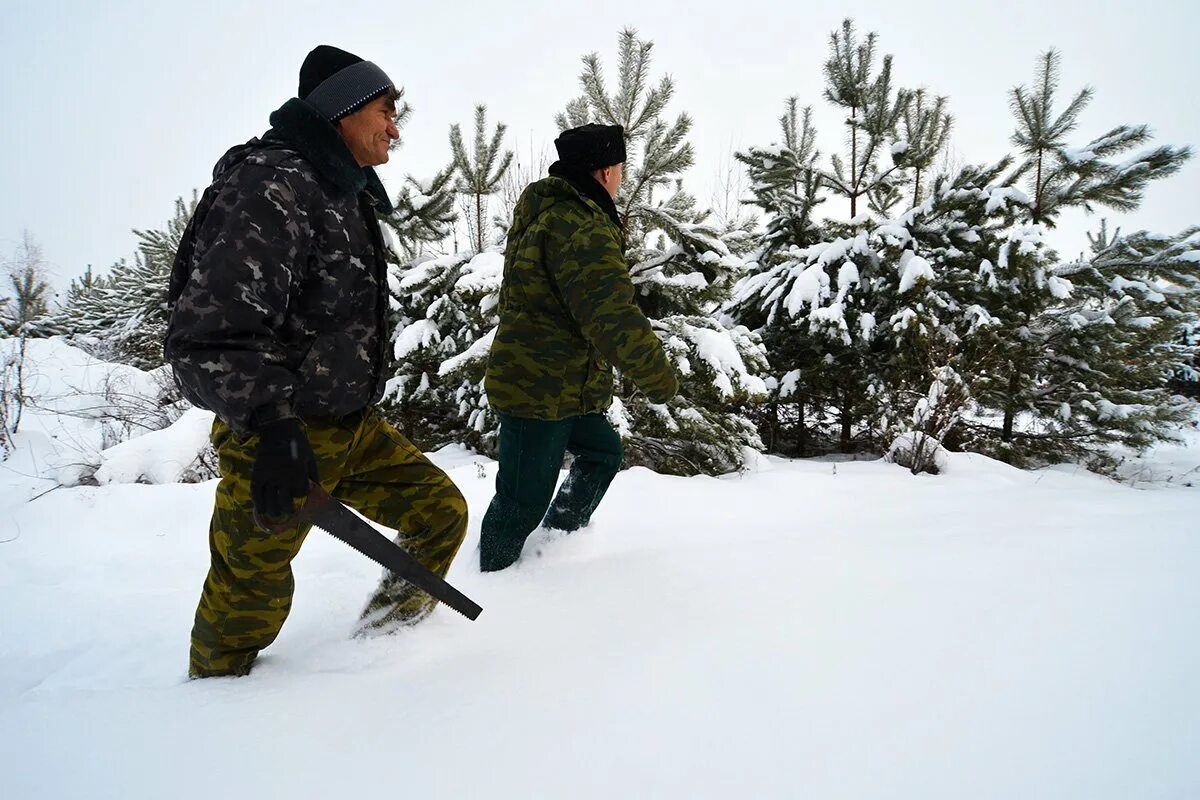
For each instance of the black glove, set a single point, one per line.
(283, 466)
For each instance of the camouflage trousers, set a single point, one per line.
(363, 462)
(531, 455)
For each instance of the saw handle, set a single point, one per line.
(316, 497)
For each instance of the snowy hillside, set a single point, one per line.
(806, 629)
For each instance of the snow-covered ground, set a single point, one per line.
(809, 629)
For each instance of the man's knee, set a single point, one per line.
(444, 508)
(456, 510)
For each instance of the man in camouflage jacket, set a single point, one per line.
(567, 317)
(278, 325)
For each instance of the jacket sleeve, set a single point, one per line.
(223, 338)
(592, 275)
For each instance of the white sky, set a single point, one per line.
(114, 109)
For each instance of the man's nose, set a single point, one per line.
(392, 131)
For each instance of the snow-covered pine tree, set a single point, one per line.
(683, 270)
(142, 293)
(479, 177)
(444, 318)
(829, 369)
(444, 308)
(122, 316)
(87, 313)
(1075, 346)
(1093, 360)
(786, 185)
(862, 325)
(1186, 378)
(82, 286)
(963, 285)
(424, 214)
(966, 268)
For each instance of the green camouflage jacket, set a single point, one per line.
(567, 313)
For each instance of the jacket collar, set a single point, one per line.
(589, 187)
(300, 125)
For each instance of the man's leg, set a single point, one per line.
(598, 453)
(248, 592)
(531, 454)
(392, 483)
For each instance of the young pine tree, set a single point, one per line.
(821, 291)
(122, 316)
(873, 108)
(1063, 343)
(24, 310)
(424, 209)
(925, 130)
(1059, 176)
(444, 317)
(479, 177)
(139, 291)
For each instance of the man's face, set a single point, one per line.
(370, 131)
(610, 178)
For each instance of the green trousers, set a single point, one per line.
(363, 462)
(531, 455)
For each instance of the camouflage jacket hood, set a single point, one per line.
(278, 290)
(567, 312)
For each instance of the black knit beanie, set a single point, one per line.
(591, 147)
(337, 83)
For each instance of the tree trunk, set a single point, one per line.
(478, 223)
(802, 437)
(1037, 195)
(1010, 408)
(853, 163)
(846, 420)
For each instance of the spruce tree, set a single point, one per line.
(479, 178)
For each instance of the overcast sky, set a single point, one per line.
(111, 110)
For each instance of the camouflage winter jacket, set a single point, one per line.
(567, 313)
(278, 290)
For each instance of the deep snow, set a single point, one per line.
(808, 629)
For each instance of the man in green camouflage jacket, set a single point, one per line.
(278, 325)
(567, 317)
